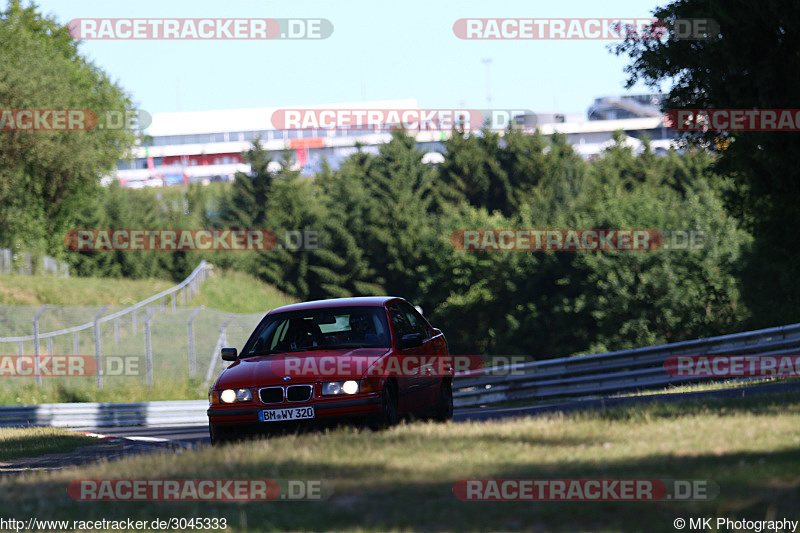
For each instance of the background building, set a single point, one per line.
(204, 146)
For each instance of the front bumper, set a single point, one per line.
(327, 412)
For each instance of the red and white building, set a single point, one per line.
(204, 146)
(208, 145)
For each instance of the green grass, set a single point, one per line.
(223, 293)
(39, 290)
(63, 390)
(237, 292)
(708, 386)
(230, 291)
(402, 479)
(33, 442)
(669, 389)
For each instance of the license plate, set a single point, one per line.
(285, 415)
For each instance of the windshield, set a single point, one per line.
(320, 329)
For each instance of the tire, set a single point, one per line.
(218, 439)
(444, 407)
(388, 416)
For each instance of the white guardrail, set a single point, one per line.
(605, 373)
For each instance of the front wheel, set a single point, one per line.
(444, 407)
(218, 437)
(388, 416)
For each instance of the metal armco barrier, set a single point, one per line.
(621, 371)
(587, 375)
(106, 414)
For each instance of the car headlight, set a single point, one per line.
(333, 388)
(236, 395)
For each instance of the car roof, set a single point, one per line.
(361, 301)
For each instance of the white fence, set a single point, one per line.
(22, 263)
(160, 337)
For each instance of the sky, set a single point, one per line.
(377, 51)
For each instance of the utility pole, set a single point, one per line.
(488, 61)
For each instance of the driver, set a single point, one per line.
(362, 328)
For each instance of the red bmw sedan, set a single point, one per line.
(367, 360)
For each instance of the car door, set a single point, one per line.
(430, 355)
(409, 379)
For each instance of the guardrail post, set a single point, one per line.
(133, 322)
(174, 303)
(36, 343)
(116, 330)
(190, 327)
(183, 292)
(97, 352)
(148, 349)
(163, 304)
(75, 343)
(50, 346)
(220, 343)
(19, 348)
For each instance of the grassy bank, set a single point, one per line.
(33, 442)
(402, 479)
(230, 291)
(222, 294)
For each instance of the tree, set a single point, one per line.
(118, 208)
(46, 176)
(557, 303)
(283, 202)
(750, 63)
(473, 172)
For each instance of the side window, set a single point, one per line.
(417, 324)
(280, 334)
(399, 321)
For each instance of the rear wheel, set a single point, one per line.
(444, 407)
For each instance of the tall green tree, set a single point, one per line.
(385, 202)
(47, 177)
(328, 262)
(750, 63)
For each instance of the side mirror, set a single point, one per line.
(229, 354)
(412, 340)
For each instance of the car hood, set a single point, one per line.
(301, 367)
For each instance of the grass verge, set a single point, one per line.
(237, 292)
(402, 479)
(234, 292)
(67, 391)
(223, 293)
(33, 442)
(39, 290)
